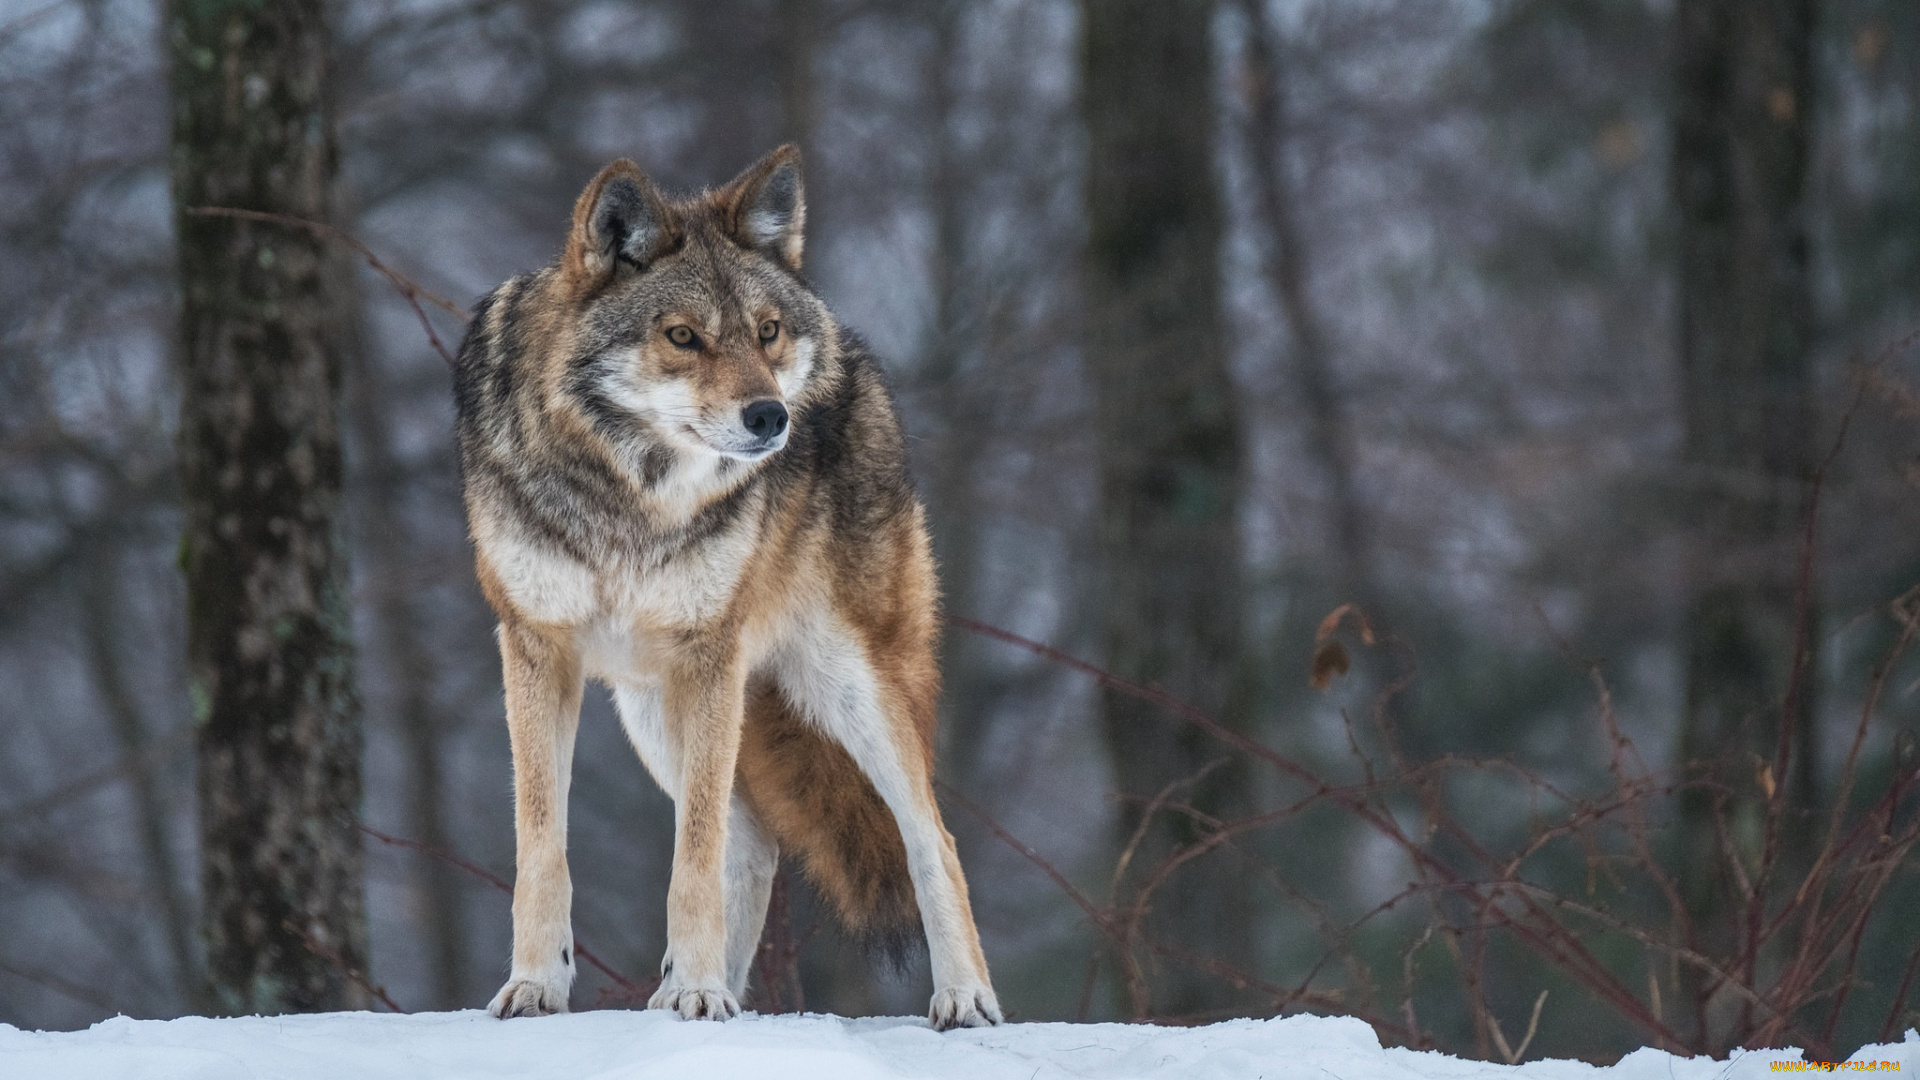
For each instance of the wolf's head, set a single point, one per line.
(693, 328)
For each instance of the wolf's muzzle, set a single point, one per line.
(765, 420)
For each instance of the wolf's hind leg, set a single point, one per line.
(873, 717)
(752, 859)
(962, 992)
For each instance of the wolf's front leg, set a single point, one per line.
(704, 698)
(543, 681)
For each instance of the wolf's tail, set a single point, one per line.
(819, 805)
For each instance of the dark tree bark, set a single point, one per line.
(1169, 452)
(1740, 158)
(797, 24)
(268, 634)
(1330, 439)
(957, 397)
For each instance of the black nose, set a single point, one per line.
(765, 420)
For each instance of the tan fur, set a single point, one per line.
(762, 601)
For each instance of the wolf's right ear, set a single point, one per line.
(620, 218)
(766, 208)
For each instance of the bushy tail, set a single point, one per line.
(819, 805)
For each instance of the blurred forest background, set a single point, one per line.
(1452, 350)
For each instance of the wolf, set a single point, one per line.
(685, 480)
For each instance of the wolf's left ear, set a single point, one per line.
(766, 208)
(619, 218)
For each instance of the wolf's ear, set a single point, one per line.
(620, 218)
(765, 207)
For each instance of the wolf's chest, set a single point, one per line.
(670, 591)
(645, 607)
(680, 591)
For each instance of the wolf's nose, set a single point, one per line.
(764, 419)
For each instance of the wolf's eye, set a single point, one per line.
(683, 336)
(769, 330)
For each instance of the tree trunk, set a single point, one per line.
(268, 633)
(956, 394)
(796, 22)
(1740, 158)
(1169, 453)
(1330, 438)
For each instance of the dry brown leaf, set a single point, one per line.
(1329, 663)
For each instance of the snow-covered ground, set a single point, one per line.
(650, 1045)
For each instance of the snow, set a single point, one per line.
(656, 1046)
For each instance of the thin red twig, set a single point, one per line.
(406, 286)
(1542, 934)
(332, 956)
(579, 948)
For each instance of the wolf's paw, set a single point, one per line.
(530, 997)
(695, 1002)
(963, 1006)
